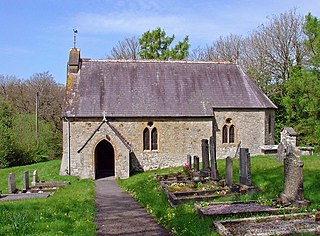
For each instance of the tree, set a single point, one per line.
(156, 45)
(312, 31)
(302, 103)
(127, 49)
(51, 97)
(226, 48)
(7, 144)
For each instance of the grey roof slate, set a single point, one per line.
(159, 89)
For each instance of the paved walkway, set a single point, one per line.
(119, 214)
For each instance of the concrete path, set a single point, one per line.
(117, 213)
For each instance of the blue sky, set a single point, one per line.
(36, 35)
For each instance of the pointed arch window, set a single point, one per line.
(146, 139)
(150, 137)
(231, 134)
(154, 139)
(225, 134)
(228, 132)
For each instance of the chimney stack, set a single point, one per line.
(74, 60)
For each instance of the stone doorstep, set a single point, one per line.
(236, 208)
(222, 226)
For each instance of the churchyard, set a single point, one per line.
(71, 208)
(257, 211)
(69, 211)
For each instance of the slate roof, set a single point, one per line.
(159, 89)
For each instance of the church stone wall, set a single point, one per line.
(177, 137)
(82, 163)
(250, 130)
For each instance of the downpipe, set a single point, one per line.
(68, 144)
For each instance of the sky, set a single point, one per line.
(36, 35)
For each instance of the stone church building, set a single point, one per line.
(123, 116)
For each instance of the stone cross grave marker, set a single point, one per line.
(229, 171)
(196, 163)
(245, 167)
(12, 183)
(25, 181)
(205, 156)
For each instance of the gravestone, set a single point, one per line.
(205, 156)
(196, 163)
(229, 171)
(25, 181)
(281, 152)
(293, 179)
(189, 160)
(213, 155)
(35, 178)
(12, 183)
(245, 167)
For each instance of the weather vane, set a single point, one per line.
(75, 31)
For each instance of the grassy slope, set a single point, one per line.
(267, 174)
(70, 211)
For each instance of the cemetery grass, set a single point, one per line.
(69, 211)
(267, 175)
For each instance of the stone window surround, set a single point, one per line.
(228, 123)
(151, 127)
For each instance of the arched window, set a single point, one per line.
(154, 139)
(228, 132)
(146, 139)
(225, 134)
(231, 134)
(150, 137)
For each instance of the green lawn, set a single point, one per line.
(266, 172)
(70, 211)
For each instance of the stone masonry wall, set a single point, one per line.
(250, 129)
(83, 163)
(177, 137)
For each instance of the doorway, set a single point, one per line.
(104, 160)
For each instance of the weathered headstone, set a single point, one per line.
(35, 178)
(25, 181)
(245, 167)
(12, 183)
(293, 179)
(196, 163)
(189, 160)
(229, 171)
(205, 155)
(213, 155)
(281, 152)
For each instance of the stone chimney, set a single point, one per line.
(74, 60)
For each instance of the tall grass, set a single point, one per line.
(267, 175)
(70, 211)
